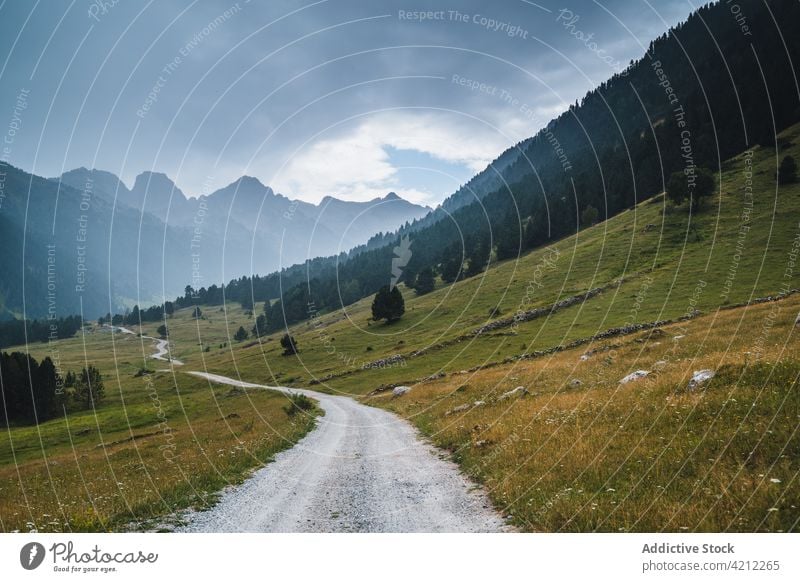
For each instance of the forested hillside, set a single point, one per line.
(615, 148)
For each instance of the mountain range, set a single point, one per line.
(86, 243)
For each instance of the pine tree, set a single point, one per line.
(388, 304)
(426, 281)
(678, 187)
(260, 327)
(289, 345)
(241, 334)
(787, 171)
(89, 388)
(589, 216)
(478, 254)
(507, 237)
(452, 263)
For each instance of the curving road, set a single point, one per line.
(361, 469)
(162, 345)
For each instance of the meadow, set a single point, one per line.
(157, 444)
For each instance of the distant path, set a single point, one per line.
(361, 469)
(162, 345)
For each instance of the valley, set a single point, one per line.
(532, 409)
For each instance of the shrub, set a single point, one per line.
(298, 402)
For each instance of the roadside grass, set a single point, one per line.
(649, 455)
(161, 444)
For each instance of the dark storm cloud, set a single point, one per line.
(312, 97)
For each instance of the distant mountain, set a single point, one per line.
(115, 246)
(307, 230)
(69, 251)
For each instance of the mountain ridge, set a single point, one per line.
(118, 246)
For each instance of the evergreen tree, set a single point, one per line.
(507, 237)
(29, 389)
(589, 216)
(787, 171)
(162, 330)
(679, 187)
(89, 388)
(241, 334)
(289, 345)
(425, 282)
(260, 327)
(388, 304)
(478, 255)
(45, 388)
(197, 313)
(452, 263)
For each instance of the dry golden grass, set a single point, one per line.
(190, 439)
(644, 456)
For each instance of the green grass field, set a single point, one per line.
(156, 444)
(600, 455)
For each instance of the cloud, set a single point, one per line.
(356, 164)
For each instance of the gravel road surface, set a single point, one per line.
(361, 469)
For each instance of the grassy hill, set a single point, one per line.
(655, 262)
(580, 451)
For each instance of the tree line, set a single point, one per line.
(32, 392)
(17, 332)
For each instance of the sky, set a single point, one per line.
(352, 99)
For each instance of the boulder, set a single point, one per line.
(457, 409)
(633, 376)
(518, 391)
(400, 390)
(575, 383)
(700, 377)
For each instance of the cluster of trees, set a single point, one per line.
(680, 188)
(30, 390)
(34, 392)
(137, 316)
(87, 387)
(15, 332)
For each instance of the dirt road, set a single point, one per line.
(361, 469)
